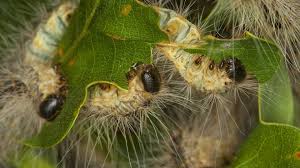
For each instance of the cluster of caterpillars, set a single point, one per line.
(198, 71)
(145, 81)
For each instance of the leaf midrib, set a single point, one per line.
(83, 32)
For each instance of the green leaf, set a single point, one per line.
(273, 143)
(35, 163)
(261, 58)
(276, 99)
(35, 159)
(104, 39)
(270, 145)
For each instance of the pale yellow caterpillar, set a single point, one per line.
(198, 71)
(28, 84)
(41, 50)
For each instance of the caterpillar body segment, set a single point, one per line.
(179, 30)
(41, 50)
(108, 97)
(199, 71)
(27, 79)
(43, 46)
(191, 150)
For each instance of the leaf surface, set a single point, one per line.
(274, 143)
(270, 145)
(276, 99)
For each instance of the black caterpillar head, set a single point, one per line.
(148, 74)
(51, 106)
(151, 79)
(234, 69)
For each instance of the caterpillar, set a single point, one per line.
(146, 98)
(276, 20)
(136, 112)
(30, 86)
(199, 72)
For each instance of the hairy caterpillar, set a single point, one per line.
(199, 72)
(276, 20)
(28, 80)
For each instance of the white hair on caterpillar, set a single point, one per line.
(18, 109)
(80, 151)
(208, 140)
(20, 81)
